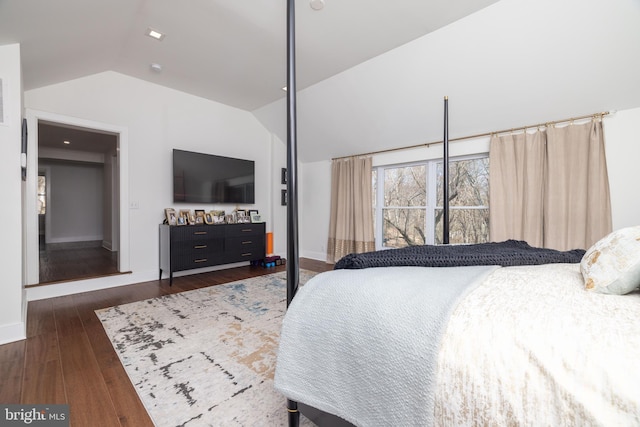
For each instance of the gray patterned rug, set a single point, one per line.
(205, 357)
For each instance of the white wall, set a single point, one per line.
(160, 119)
(622, 140)
(12, 302)
(76, 202)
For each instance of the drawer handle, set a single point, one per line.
(200, 246)
(199, 232)
(246, 254)
(201, 260)
(247, 242)
(247, 230)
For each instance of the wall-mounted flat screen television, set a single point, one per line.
(206, 178)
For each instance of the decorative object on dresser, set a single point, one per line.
(255, 216)
(197, 246)
(218, 217)
(199, 216)
(170, 216)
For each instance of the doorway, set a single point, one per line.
(75, 210)
(75, 219)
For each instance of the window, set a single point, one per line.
(408, 202)
(42, 195)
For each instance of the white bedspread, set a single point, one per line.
(527, 347)
(363, 344)
(531, 347)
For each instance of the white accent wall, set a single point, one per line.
(158, 120)
(12, 302)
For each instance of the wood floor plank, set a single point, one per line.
(88, 396)
(11, 371)
(43, 382)
(40, 319)
(66, 316)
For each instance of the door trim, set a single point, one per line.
(31, 216)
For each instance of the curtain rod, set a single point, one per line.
(480, 135)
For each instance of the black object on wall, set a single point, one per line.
(23, 151)
(207, 178)
(445, 177)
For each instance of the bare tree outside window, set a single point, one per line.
(468, 201)
(42, 195)
(411, 211)
(405, 200)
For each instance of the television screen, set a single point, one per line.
(205, 178)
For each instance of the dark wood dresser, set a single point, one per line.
(186, 247)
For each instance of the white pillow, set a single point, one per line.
(612, 265)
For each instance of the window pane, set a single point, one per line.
(42, 197)
(374, 186)
(403, 227)
(465, 226)
(468, 182)
(405, 186)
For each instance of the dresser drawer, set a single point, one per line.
(195, 232)
(249, 255)
(191, 261)
(237, 245)
(198, 247)
(236, 230)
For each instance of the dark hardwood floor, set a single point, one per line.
(68, 359)
(74, 261)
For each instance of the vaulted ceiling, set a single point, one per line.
(230, 51)
(371, 74)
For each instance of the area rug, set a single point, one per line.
(205, 357)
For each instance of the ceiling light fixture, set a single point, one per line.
(156, 67)
(316, 4)
(154, 34)
(66, 142)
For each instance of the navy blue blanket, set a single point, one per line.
(505, 254)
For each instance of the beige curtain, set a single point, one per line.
(516, 179)
(351, 221)
(552, 193)
(577, 210)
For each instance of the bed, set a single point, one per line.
(521, 345)
(404, 343)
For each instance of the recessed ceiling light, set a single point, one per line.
(316, 4)
(154, 34)
(156, 67)
(66, 142)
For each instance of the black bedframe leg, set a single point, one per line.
(292, 183)
(294, 415)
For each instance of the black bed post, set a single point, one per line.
(445, 175)
(292, 181)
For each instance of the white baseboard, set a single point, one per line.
(13, 332)
(74, 239)
(79, 286)
(320, 256)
